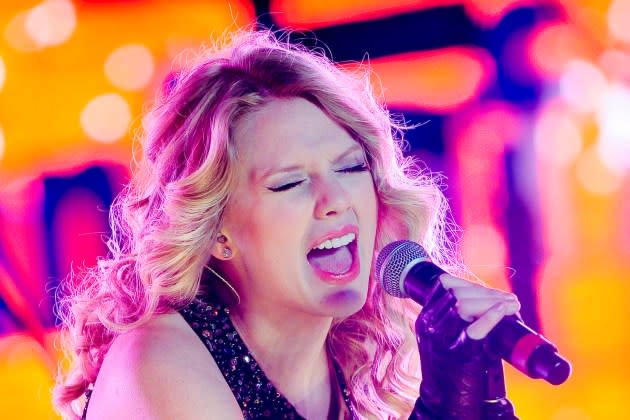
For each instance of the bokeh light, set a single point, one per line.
(51, 23)
(595, 176)
(618, 18)
(106, 118)
(440, 81)
(557, 136)
(534, 151)
(16, 35)
(552, 45)
(130, 67)
(317, 14)
(616, 64)
(613, 117)
(582, 84)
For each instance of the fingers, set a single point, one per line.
(467, 288)
(482, 326)
(480, 292)
(451, 282)
(483, 306)
(472, 309)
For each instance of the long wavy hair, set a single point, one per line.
(165, 219)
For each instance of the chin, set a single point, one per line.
(343, 303)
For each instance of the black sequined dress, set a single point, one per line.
(256, 395)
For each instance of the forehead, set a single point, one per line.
(284, 129)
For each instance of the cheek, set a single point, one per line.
(272, 220)
(367, 200)
(368, 217)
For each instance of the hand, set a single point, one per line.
(458, 374)
(484, 307)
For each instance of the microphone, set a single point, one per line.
(404, 269)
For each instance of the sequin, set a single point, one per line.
(256, 395)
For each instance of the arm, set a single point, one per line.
(161, 371)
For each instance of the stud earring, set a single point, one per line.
(221, 238)
(227, 252)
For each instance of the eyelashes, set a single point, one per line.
(285, 186)
(362, 167)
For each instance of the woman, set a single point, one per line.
(240, 280)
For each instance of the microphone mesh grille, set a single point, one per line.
(392, 262)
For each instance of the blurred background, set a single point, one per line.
(523, 105)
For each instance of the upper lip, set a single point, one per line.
(344, 230)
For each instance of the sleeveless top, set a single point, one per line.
(256, 395)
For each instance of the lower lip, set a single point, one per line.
(345, 278)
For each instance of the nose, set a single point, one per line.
(332, 198)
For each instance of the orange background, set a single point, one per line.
(74, 77)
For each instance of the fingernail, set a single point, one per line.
(513, 307)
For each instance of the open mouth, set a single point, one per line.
(334, 257)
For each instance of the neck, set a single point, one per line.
(291, 349)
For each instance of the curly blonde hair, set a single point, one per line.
(165, 219)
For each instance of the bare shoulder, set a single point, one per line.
(161, 370)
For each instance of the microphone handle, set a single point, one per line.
(528, 351)
(426, 277)
(510, 339)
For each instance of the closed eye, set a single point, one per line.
(362, 167)
(285, 187)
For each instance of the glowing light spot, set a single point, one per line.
(16, 36)
(106, 118)
(581, 85)
(551, 46)
(616, 64)
(439, 80)
(317, 14)
(594, 175)
(614, 128)
(557, 137)
(618, 18)
(130, 67)
(3, 73)
(51, 22)
(1, 143)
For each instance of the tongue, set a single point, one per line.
(334, 261)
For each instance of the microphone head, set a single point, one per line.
(392, 263)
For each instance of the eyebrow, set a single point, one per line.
(266, 172)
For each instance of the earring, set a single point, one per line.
(221, 238)
(227, 252)
(227, 283)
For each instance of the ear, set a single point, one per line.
(222, 248)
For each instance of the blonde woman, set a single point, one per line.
(240, 281)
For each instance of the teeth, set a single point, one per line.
(336, 242)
